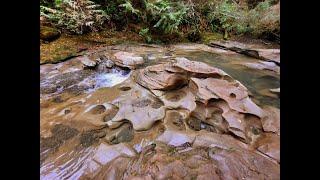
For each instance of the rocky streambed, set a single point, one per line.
(186, 111)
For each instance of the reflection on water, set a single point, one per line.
(257, 81)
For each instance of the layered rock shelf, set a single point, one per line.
(174, 119)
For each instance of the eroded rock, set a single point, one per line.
(270, 145)
(232, 92)
(271, 120)
(88, 63)
(106, 153)
(202, 92)
(211, 115)
(127, 59)
(124, 133)
(157, 77)
(138, 106)
(181, 98)
(176, 138)
(198, 69)
(175, 120)
(208, 126)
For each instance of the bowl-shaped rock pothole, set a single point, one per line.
(194, 123)
(124, 88)
(99, 109)
(175, 96)
(124, 133)
(110, 112)
(175, 120)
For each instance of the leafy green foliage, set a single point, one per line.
(144, 32)
(77, 16)
(264, 18)
(169, 15)
(128, 8)
(230, 17)
(165, 17)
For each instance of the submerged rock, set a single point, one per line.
(263, 65)
(272, 55)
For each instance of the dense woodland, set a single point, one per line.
(172, 19)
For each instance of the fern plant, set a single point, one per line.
(169, 15)
(77, 16)
(230, 16)
(144, 32)
(161, 14)
(128, 8)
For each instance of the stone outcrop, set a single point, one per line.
(128, 60)
(189, 120)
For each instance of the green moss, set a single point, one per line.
(48, 33)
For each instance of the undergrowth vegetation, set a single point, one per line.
(164, 17)
(77, 16)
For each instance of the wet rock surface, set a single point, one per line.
(161, 77)
(167, 119)
(129, 60)
(272, 55)
(262, 65)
